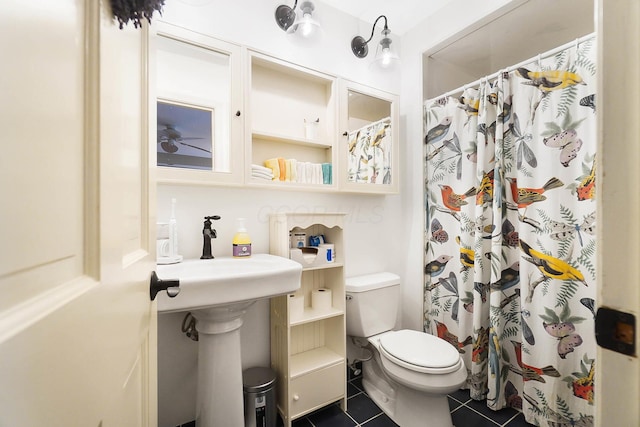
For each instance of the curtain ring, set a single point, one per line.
(577, 43)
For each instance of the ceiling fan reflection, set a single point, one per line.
(169, 136)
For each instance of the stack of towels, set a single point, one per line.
(291, 170)
(261, 172)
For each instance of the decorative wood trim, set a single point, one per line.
(21, 316)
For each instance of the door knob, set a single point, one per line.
(172, 286)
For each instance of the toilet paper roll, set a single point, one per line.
(296, 307)
(321, 299)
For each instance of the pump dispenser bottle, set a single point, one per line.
(241, 241)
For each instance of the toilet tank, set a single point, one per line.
(372, 303)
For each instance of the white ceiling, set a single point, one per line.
(402, 15)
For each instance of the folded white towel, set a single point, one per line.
(300, 173)
(308, 171)
(317, 173)
(264, 177)
(262, 174)
(260, 168)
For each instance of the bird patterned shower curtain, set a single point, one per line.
(510, 235)
(369, 153)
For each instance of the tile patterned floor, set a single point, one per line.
(363, 412)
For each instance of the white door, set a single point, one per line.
(77, 331)
(618, 376)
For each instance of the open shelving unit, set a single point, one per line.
(310, 348)
(283, 98)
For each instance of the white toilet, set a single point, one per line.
(410, 373)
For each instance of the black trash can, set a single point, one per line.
(259, 397)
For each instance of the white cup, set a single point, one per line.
(311, 130)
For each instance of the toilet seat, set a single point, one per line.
(420, 352)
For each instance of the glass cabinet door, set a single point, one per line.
(198, 108)
(369, 144)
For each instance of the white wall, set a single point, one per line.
(252, 23)
(382, 233)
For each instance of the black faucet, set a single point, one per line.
(208, 233)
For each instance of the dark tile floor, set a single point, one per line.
(363, 412)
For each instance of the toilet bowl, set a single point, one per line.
(409, 373)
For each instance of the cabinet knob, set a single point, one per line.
(345, 133)
(296, 397)
(238, 113)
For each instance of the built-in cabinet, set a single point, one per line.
(369, 141)
(225, 112)
(308, 334)
(291, 121)
(199, 108)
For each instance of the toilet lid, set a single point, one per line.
(420, 350)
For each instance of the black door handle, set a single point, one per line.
(172, 286)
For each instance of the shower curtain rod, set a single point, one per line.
(513, 67)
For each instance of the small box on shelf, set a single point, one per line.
(312, 256)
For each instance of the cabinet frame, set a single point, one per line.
(311, 347)
(168, 175)
(344, 184)
(288, 140)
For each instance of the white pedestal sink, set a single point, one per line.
(218, 292)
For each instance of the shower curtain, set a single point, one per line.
(510, 235)
(369, 156)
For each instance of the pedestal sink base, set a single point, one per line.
(217, 292)
(219, 399)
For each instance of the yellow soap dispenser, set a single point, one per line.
(241, 241)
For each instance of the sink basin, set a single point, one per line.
(222, 281)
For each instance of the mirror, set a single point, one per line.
(193, 88)
(184, 136)
(370, 142)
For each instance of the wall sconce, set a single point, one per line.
(304, 24)
(385, 57)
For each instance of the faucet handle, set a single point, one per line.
(214, 217)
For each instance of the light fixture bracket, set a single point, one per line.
(359, 46)
(285, 16)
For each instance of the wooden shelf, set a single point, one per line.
(311, 315)
(287, 139)
(313, 360)
(283, 97)
(335, 264)
(295, 186)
